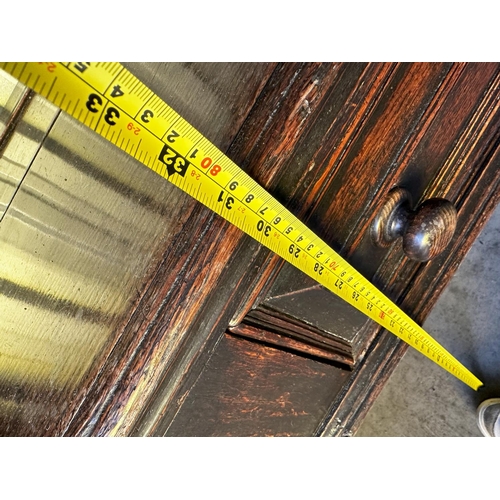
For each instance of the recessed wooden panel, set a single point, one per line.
(249, 389)
(313, 317)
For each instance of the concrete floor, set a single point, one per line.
(422, 399)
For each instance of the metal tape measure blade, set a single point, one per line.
(114, 103)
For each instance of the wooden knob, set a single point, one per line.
(426, 231)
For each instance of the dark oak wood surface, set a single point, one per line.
(422, 282)
(329, 140)
(417, 160)
(399, 117)
(250, 389)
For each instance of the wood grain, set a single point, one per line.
(329, 140)
(478, 119)
(442, 112)
(310, 164)
(418, 298)
(407, 104)
(285, 342)
(249, 389)
(442, 85)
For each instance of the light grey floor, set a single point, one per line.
(422, 399)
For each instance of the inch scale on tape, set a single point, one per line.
(114, 103)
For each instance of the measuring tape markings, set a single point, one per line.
(107, 98)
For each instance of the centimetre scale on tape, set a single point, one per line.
(114, 103)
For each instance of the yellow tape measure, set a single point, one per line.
(111, 101)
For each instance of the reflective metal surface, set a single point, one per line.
(76, 243)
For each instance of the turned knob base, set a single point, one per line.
(426, 231)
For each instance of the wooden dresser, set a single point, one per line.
(129, 309)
